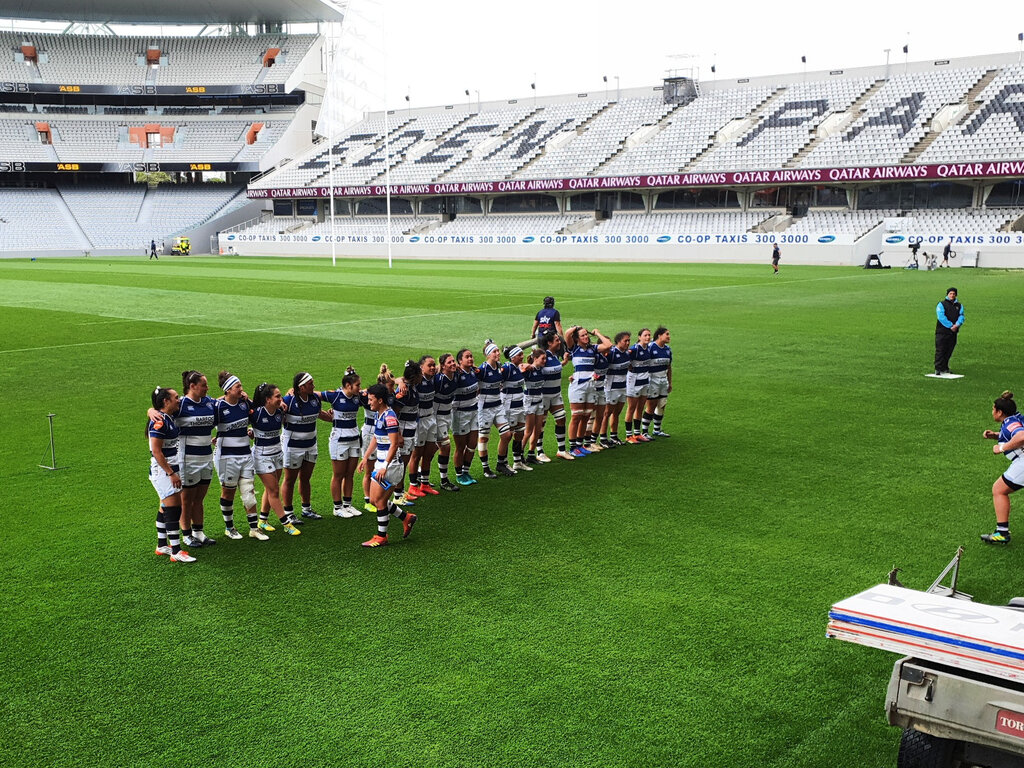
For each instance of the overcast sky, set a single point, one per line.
(437, 50)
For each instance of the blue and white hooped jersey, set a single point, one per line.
(552, 374)
(369, 417)
(233, 428)
(490, 378)
(165, 429)
(618, 367)
(345, 414)
(407, 406)
(600, 367)
(300, 417)
(444, 393)
(661, 359)
(266, 431)
(1012, 426)
(196, 420)
(533, 382)
(425, 393)
(583, 363)
(512, 388)
(385, 426)
(641, 356)
(466, 388)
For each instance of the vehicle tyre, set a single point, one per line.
(921, 750)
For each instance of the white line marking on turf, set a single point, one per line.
(409, 317)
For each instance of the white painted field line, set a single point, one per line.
(410, 317)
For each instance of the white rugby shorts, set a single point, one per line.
(161, 481)
(268, 463)
(349, 449)
(464, 422)
(231, 468)
(196, 469)
(296, 457)
(495, 415)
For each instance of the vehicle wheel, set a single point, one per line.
(921, 750)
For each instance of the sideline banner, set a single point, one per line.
(894, 242)
(880, 173)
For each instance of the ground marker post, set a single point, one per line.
(53, 453)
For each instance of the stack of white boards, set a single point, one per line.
(987, 639)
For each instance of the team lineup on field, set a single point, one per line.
(406, 421)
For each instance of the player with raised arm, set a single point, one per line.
(582, 385)
(490, 410)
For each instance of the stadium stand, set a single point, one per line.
(130, 216)
(733, 222)
(207, 139)
(839, 221)
(992, 129)
(893, 120)
(108, 60)
(930, 221)
(36, 219)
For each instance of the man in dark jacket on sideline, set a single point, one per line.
(949, 314)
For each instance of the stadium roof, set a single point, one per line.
(177, 12)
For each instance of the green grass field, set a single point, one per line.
(656, 605)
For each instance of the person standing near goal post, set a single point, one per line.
(949, 318)
(776, 255)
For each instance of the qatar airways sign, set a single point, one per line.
(878, 173)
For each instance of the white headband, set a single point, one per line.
(514, 351)
(305, 379)
(232, 380)
(492, 347)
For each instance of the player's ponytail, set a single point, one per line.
(412, 373)
(160, 396)
(262, 393)
(1005, 403)
(190, 378)
(385, 376)
(350, 377)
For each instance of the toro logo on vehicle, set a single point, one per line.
(1010, 722)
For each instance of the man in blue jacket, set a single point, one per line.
(949, 314)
